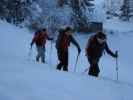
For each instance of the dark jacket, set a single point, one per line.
(94, 49)
(63, 42)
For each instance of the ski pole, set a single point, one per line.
(117, 68)
(76, 63)
(50, 53)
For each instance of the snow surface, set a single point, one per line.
(21, 78)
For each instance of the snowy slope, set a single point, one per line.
(23, 79)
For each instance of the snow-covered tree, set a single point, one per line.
(112, 8)
(80, 9)
(54, 15)
(50, 14)
(17, 11)
(64, 12)
(12, 10)
(127, 10)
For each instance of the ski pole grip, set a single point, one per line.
(116, 53)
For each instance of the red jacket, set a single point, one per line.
(40, 38)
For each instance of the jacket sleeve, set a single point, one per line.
(109, 51)
(49, 38)
(75, 42)
(34, 39)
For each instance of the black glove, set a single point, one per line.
(116, 54)
(52, 39)
(79, 50)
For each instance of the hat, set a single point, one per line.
(68, 28)
(44, 29)
(101, 35)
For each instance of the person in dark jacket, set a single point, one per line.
(39, 39)
(94, 50)
(63, 42)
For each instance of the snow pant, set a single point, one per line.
(94, 67)
(40, 54)
(63, 60)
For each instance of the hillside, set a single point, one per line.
(23, 79)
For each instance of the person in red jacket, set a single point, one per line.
(40, 40)
(63, 42)
(94, 50)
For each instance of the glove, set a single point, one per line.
(79, 50)
(52, 39)
(116, 54)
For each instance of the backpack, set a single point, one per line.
(39, 39)
(90, 43)
(59, 38)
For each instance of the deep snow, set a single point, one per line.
(21, 78)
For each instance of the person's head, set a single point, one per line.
(68, 30)
(101, 37)
(61, 30)
(44, 29)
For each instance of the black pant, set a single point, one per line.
(63, 60)
(94, 67)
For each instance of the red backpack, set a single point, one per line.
(40, 38)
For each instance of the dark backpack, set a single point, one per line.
(59, 38)
(90, 43)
